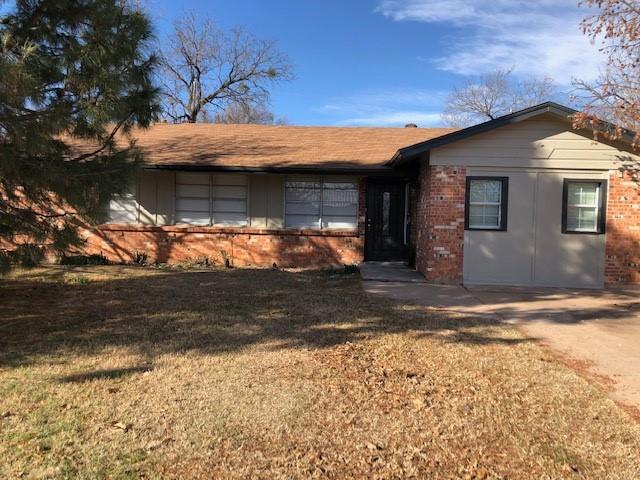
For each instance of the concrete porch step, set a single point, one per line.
(390, 272)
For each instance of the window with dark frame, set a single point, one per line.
(583, 206)
(486, 203)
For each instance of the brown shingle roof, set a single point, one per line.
(276, 146)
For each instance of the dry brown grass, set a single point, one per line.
(114, 372)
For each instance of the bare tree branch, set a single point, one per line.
(205, 67)
(247, 113)
(492, 95)
(612, 102)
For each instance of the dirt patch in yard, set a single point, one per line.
(114, 372)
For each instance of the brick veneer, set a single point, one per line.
(439, 223)
(240, 246)
(622, 264)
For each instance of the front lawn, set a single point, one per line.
(118, 372)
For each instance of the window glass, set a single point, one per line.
(485, 203)
(583, 206)
(229, 199)
(192, 198)
(386, 207)
(321, 202)
(302, 202)
(339, 204)
(124, 208)
(206, 199)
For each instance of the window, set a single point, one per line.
(583, 205)
(229, 200)
(321, 202)
(123, 208)
(192, 198)
(211, 199)
(486, 203)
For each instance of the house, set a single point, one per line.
(521, 200)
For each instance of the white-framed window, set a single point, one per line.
(321, 202)
(583, 206)
(211, 199)
(486, 203)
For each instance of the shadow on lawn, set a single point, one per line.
(211, 312)
(104, 374)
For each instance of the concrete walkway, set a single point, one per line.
(599, 328)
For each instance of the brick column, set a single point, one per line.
(622, 264)
(440, 223)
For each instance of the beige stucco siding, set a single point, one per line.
(533, 250)
(543, 142)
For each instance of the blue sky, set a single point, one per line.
(389, 62)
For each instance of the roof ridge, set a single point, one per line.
(256, 125)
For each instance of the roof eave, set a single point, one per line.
(408, 153)
(289, 169)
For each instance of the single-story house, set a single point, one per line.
(521, 200)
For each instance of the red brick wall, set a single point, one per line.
(439, 223)
(242, 247)
(622, 264)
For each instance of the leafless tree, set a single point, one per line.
(206, 68)
(247, 113)
(615, 96)
(492, 95)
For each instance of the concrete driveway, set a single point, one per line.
(598, 328)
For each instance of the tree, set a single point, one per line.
(247, 113)
(73, 72)
(206, 67)
(492, 95)
(615, 96)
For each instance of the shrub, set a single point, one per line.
(75, 260)
(140, 258)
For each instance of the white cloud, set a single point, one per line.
(394, 119)
(536, 38)
(386, 107)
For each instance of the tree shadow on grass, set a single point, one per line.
(212, 312)
(108, 374)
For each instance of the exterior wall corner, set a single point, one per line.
(439, 228)
(622, 252)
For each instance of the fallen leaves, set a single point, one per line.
(125, 427)
(264, 374)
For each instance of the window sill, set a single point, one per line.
(113, 227)
(472, 229)
(580, 232)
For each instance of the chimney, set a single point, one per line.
(411, 125)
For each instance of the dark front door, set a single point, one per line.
(385, 228)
